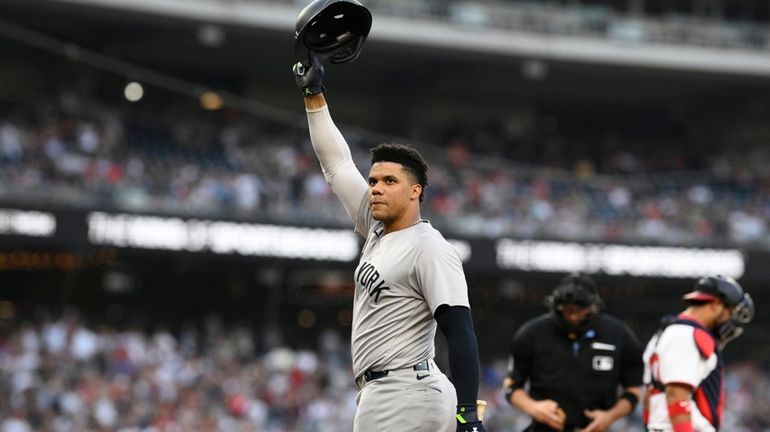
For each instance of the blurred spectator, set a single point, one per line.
(215, 379)
(218, 167)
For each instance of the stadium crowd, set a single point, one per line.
(485, 182)
(60, 374)
(65, 373)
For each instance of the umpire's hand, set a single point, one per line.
(310, 79)
(600, 420)
(548, 412)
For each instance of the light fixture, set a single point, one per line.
(133, 91)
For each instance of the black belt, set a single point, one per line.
(371, 375)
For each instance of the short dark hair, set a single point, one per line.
(408, 157)
(575, 288)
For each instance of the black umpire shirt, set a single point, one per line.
(577, 371)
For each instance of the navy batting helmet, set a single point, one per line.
(730, 292)
(334, 30)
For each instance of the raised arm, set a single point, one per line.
(329, 145)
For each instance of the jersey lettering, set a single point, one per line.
(367, 276)
(364, 271)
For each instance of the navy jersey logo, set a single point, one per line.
(369, 278)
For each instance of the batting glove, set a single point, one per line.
(468, 420)
(310, 79)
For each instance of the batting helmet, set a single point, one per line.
(730, 292)
(334, 30)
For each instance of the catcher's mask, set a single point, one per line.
(578, 289)
(335, 30)
(730, 292)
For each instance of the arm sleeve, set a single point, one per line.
(336, 160)
(457, 326)
(633, 363)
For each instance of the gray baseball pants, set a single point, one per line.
(407, 400)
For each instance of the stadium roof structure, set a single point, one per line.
(466, 37)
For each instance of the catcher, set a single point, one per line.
(684, 369)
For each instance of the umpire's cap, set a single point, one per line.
(575, 288)
(334, 30)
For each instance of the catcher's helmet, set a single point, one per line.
(730, 292)
(334, 30)
(575, 288)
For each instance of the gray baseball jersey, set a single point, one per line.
(403, 276)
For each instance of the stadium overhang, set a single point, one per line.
(461, 38)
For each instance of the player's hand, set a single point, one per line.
(310, 79)
(600, 421)
(550, 413)
(468, 419)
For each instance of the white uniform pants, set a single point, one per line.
(407, 400)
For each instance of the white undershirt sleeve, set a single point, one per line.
(336, 160)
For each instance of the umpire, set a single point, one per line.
(576, 360)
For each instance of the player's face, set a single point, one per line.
(724, 313)
(717, 313)
(391, 191)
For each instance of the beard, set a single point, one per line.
(569, 328)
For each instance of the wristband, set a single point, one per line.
(313, 90)
(466, 414)
(680, 408)
(631, 398)
(683, 427)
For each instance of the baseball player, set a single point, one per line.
(575, 359)
(684, 372)
(409, 279)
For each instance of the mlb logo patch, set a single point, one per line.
(603, 363)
